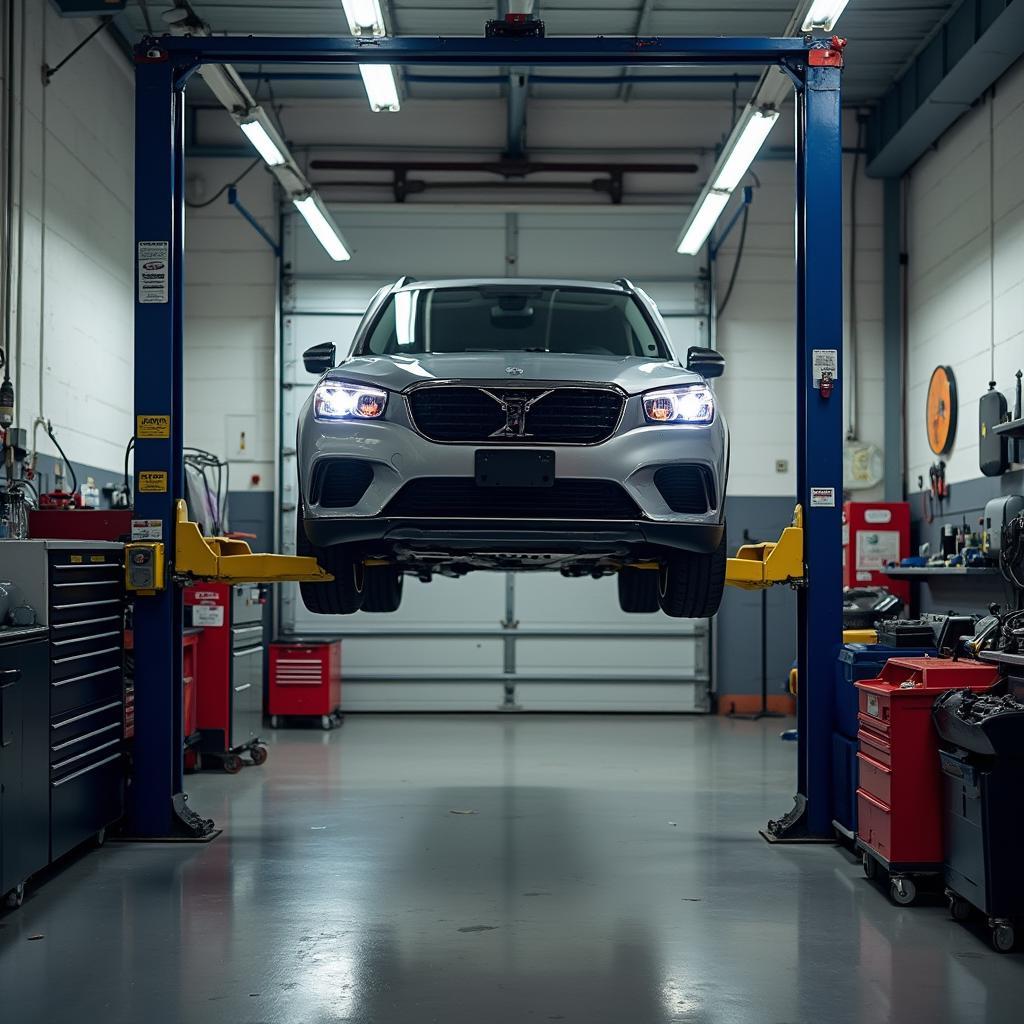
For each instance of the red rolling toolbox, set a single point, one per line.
(305, 681)
(899, 798)
(189, 685)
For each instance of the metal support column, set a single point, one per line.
(159, 258)
(892, 323)
(819, 319)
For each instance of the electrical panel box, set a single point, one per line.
(144, 566)
(874, 534)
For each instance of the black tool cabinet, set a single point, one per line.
(24, 764)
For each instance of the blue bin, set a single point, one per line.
(845, 775)
(857, 662)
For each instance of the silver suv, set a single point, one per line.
(513, 424)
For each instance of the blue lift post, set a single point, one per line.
(163, 67)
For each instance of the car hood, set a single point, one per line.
(397, 373)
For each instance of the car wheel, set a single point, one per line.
(638, 590)
(383, 588)
(690, 583)
(344, 594)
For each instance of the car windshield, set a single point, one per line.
(513, 318)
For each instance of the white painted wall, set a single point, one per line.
(965, 290)
(76, 272)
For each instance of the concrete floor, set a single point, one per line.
(610, 871)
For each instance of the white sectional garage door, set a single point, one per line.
(489, 640)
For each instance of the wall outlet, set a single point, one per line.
(782, 465)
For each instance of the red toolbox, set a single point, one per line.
(305, 681)
(874, 534)
(189, 684)
(899, 798)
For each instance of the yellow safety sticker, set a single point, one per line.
(153, 483)
(97, 558)
(76, 559)
(152, 426)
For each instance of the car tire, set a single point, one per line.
(383, 588)
(344, 594)
(638, 590)
(690, 583)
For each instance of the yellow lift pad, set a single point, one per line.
(757, 566)
(232, 561)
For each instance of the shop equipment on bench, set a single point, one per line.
(899, 796)
(983, 780)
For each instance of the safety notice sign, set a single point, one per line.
(154, 271)
(152, 482)
(823, 497)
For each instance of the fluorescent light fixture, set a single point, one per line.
(823, 15)
(381, 89)
(263, 143)
(320, 223)
(364, 17)
(740, 155)
(701, 221)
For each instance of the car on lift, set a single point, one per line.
(512, 425)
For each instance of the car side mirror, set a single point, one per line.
(320, 358)
(705, 361)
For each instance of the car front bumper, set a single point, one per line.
(397, 454)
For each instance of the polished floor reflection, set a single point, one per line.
(494, 870)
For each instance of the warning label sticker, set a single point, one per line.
(147, 529)
(824, 360)
(152, 482)
(207, 615)
(151, 426)
(823, 497)
(154, 271)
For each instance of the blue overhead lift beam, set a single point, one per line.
(163, 68)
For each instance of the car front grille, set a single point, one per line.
(461, 498)
(340, 483)
(559, 415)
(685, 488)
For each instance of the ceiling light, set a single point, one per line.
(364, 17)
(740, 154)
(381, 89)
(701, 220)
(260, 131)
(320, 223)
(823, 15)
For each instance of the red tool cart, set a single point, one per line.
(305, 681)
(874, 534)
(189, 687)
(899, 799)
(229, 692)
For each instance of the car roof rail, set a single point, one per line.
(625, 283)
(403, 281)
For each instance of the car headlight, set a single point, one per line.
(692, 404)
(334, 401)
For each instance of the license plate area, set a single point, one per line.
(515, 469)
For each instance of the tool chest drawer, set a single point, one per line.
(74, 737)
(874, 823)
(875, 746)
(875, 778)
(85, 800)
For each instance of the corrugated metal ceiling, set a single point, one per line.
(883, 37)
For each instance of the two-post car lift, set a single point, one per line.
(163, 68)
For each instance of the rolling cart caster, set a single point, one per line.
(326, 723)
(870, 866)
(232, 764)
(101, 836)
(15, 897)
(902, 891)
(959, 908)
(274, 721)
(1003, 937)
(259, 755)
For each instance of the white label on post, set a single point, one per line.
(824, 360)
(823, 497)
(207, 615)
(147, 529)
(154, 271)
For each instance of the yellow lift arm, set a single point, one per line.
(232, 561)
(757, 566)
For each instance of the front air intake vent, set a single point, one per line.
(340, 483)
(686, 489)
